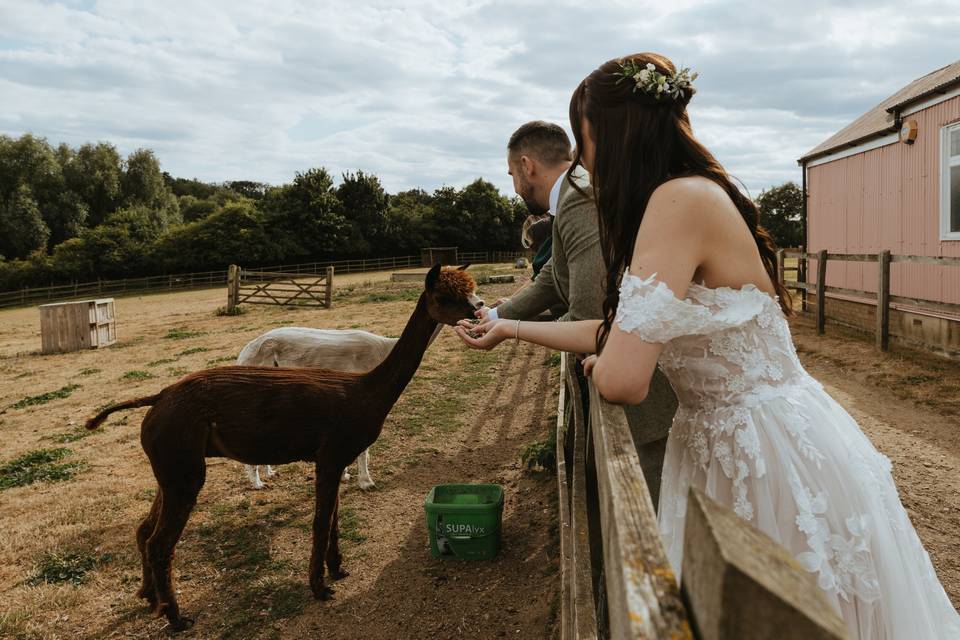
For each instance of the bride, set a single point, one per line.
(691, 283)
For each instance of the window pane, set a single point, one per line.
(955, 199)
(955, 142)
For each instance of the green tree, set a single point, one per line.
(193, 209)
(30, 162)
(93, 173)
(248, 188)
(364, 205)
(22, 229)
(475, 218)
(781, 209)
(410, 222)
(237, 233)
(305, 216)
(142, 183)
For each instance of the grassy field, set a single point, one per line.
(71, 499)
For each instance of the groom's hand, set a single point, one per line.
(484, 311)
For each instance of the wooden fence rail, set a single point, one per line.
(616, 581)
(882, 297)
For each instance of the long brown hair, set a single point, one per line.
(642, 142)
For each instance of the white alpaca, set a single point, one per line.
(338, 349)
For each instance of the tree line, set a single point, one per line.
(76, 214)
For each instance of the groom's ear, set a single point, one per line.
(528, 165)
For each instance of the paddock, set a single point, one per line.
(465, 416)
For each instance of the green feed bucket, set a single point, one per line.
(464, 520)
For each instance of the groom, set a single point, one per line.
(538, 157)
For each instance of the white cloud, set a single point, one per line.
(427, 93)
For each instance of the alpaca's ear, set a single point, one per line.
(463, 267)
(432, 276)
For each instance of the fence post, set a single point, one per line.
(741, 585)
(329, 296)
(802, 275)
(780, 262)
(233, 281)
(883, 300)
(821, 289)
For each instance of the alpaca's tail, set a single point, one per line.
(146, 401)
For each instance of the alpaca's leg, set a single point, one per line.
(253, 473)
(327, 486)
(346, 474)
(144, 531)
(366, 482)
(270, 472)
(334, 557)
(179, 497)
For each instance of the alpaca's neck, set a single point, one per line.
(395, 372)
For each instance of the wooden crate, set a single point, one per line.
(72, 326)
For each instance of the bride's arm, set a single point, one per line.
(576, 337)
(670, 244)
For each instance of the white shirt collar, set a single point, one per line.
(555, 193)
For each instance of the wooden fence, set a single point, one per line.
(246, 286)
(212, 279)
(881, 297)
(616, 581)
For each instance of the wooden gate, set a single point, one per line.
(273, 287)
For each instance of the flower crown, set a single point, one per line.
(648, 80)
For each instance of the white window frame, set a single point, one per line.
(945, 163)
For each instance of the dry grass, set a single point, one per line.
(68, 562)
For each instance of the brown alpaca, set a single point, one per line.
(270, 415)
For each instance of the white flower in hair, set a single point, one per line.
(647, 79)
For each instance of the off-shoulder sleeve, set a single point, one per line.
(649, 310)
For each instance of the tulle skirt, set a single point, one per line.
(797, 466)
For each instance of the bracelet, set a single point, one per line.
(516, 336)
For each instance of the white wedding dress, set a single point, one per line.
(757, 433)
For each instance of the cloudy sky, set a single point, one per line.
(425, 93)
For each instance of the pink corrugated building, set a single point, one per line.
(891, 180)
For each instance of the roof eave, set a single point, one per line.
(940, 89)
(846, 145)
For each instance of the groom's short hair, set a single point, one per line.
(545, 141)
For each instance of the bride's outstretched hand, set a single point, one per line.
(485, 335)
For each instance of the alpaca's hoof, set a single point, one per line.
(325, 593)
(346, 476)
(258, 485)
(367, 485)
(149, 595)
(271, 472)
(338, 574)
(182, 623)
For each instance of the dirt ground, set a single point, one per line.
(241, 564)
(908, 403)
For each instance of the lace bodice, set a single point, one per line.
(722, 347)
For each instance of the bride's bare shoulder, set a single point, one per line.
(695, 190)
(685, 201)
